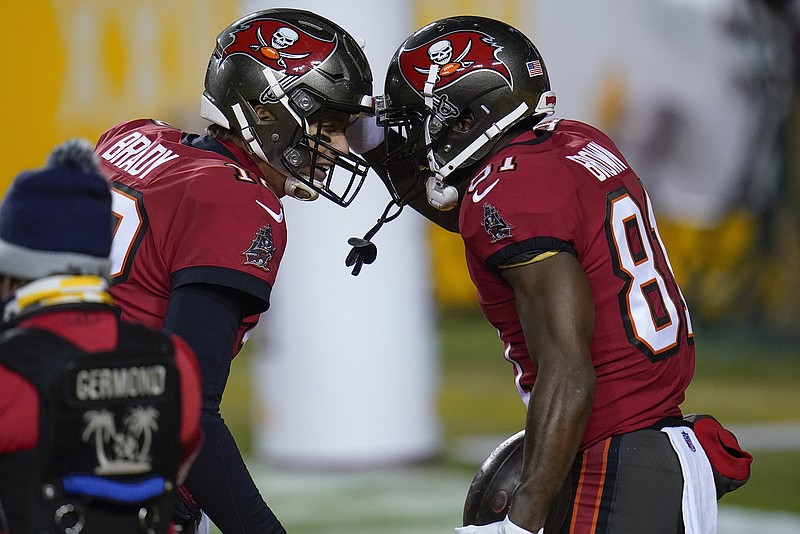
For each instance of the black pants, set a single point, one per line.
(628, 484)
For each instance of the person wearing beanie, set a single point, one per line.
(99, 418)
(203, 230)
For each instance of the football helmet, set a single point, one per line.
(452, 89)
(489, 495)
(308, 71)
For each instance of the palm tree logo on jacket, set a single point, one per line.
(126, 451)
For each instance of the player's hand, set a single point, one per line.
(186, 514)
(498, 527)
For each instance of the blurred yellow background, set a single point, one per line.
(77, 67)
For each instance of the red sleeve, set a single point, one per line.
(530, 205)
(225, 222)
(19, 410)
(191, 400)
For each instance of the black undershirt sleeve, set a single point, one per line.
(207, 317)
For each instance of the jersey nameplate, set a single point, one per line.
(106, 383)
(602, 163)
(137, 155)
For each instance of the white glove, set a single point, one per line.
(511, 528)
(364, 135)
(491, 528)
(499, 527)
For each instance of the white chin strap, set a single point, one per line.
(443, 196)
(296, 188)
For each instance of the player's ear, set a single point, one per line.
(264, 113)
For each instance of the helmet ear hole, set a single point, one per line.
(464, 122)
(263, 113)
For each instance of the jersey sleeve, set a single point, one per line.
(521, 214)
(19, 409)
(226, 232)
(191, 402)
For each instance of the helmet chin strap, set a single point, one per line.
(298, 189)
(443, 196)
(247, 133)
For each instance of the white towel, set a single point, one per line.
(205, 525)
(699, 495)
(491, 528)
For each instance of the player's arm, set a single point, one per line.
(207, 317)
(554, 303)
(191, 402)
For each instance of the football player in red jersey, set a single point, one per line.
(200, 225)
(563, 248)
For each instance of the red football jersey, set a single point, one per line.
(569, 189)
(188, 209)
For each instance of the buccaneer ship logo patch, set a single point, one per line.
(261, 249)
(494, 224)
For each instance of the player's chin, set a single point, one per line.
(318, 175)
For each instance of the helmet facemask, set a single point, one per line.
(294, 141)
(405, 152)
(314, 161)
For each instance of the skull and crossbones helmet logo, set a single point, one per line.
(441, 52)
(284, 37)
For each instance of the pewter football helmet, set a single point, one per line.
(455, 68)
(304, 68)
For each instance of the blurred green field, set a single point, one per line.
(741, 378)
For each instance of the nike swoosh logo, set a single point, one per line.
(277, 216)
(477, 197)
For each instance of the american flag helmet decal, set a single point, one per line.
(534, 68)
